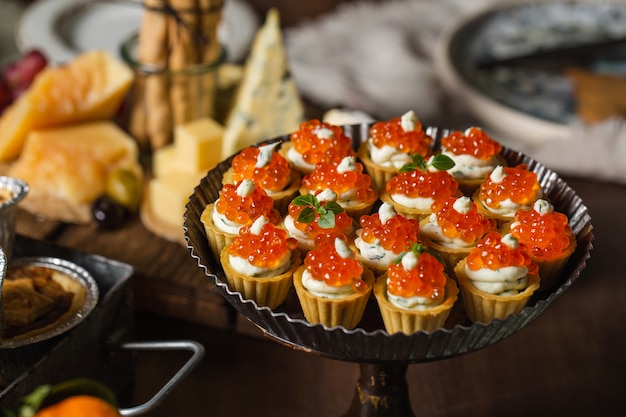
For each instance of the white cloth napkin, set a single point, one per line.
(590, 151)
(378, 58)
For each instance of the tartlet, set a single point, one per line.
(419, 183)
(415, 293)
(346, 179)
(497, 278)
(507, 190)
(267, 167)
(309, 216)
(332, 286)
(390, 145)
(260, 263)
(453, 229)
(383, 236)
(238, 205)
(475, 155)
(316, 142)
(548, 236)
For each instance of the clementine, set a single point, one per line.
(80, 406)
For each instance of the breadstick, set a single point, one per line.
(137, 114)
(152, 50)
(183, 54)
(210, 51)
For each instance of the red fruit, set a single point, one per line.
(5, 95)
(20, 74)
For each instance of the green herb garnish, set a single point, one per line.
(439, 161)
(418, 248)
(313, 207)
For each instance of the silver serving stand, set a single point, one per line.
(381, 389)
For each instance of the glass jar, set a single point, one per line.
(162, 98)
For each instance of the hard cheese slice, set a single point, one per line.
(267, 103)
(89, 88)
(67, 167)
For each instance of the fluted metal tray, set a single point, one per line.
(370, 342)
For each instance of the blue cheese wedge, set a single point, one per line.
(268, 103)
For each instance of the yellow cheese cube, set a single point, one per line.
(169, 195)
(164, 161)
(198, 144)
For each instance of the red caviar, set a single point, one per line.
(547, 235)
(315, 149)
(325, 264)
(429, 184)
(468, 227)
(395, 235)
(274, 176)
(343, 222)
(265, 250)
(491, 253)
(391, 133)
(325, 176)
(519, 185)
(244, 210)
(425, 280)
(474, 142)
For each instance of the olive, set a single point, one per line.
(108, 213)
(124, 187)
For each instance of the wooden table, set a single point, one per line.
(570, 361)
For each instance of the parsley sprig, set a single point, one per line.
(326, 210)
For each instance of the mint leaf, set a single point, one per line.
(333, 206)
(307, 215)
(442, 162)
(327, 220)
(417, 162)
(306, 200)
(408, 167)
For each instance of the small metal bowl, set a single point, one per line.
(76, 314)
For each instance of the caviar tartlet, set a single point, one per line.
(267, 167)
(346, 179)
(316, 142)
(311, 215)
(260, 262)
(549, 237)
(419, 184)
(391, 144)
(497, 278)
(383, 236)
(238, 205)
(332, 286)
(507, 190)
(415, 293)
(453, 229)
(475, 155)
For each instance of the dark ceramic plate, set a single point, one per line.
(533, 100)
(370, 342)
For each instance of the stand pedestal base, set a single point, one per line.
(381, 391)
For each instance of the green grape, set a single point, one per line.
(124, 187)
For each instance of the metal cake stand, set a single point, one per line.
(381, 389)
